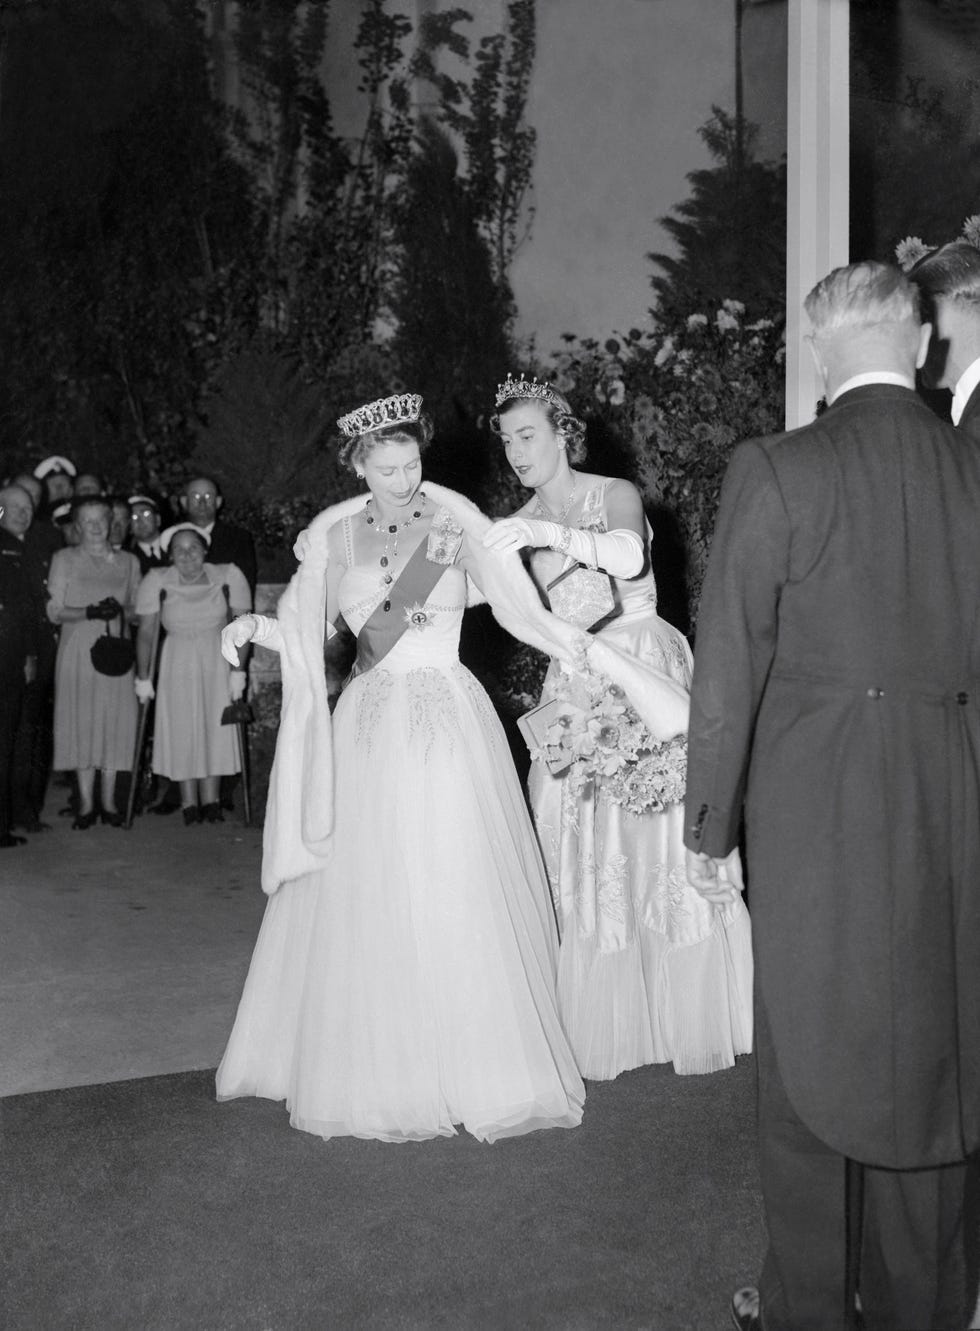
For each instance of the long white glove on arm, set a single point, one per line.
(258, 629)
(617, 552)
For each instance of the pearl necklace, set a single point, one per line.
(392, 530)
(543, 511)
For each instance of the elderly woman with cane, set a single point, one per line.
(191, 599)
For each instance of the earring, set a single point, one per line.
(359, 475)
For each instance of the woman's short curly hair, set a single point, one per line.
(558, 413)
(352, 452)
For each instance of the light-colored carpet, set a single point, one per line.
(122, 954)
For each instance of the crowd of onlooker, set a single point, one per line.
(111, 609)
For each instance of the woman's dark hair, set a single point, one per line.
(352, 452)
(558, 414)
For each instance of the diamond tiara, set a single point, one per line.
(517, 388)
(384, 411)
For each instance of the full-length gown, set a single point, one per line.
(648, 971)
(409, 984)
(193, 687)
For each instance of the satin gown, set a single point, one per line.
(409, 985)
(648, 971)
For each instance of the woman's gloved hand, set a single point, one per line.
(105, 609)
(144, 689)
(516, 533)
(236, 634)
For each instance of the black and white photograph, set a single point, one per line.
(490, 665)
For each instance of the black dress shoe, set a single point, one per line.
(8, 841)
(84, 821)
(191, 815)
(113, 817)
(745, 1309)
(211, 813)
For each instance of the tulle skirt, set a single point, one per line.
(409, 986)
(648, 971)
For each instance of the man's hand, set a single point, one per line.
(719, 881)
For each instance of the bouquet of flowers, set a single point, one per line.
(599, 741)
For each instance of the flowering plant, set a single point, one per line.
(609, 749)
(677, 399)
(909, 251)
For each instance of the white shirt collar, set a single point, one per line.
(208, 529)
(873, 377)
(963, 391)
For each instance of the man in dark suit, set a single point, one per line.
(949, 279)
(201, 502)
(19, 644)
(836, 698)
(144, 526)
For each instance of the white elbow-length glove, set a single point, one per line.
(617, 552)
(259, 629)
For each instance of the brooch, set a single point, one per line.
(417, 617)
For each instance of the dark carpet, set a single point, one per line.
(145, 1205)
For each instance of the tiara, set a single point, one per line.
(376, 415)
(516, 388)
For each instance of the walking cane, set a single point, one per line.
(144, 717)
(238, 714)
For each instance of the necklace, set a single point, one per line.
(391, 533)
(543, 511)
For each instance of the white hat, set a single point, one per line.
(55, 463)
(167, 536)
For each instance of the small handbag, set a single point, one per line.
(581, 595)
(534, 726)
(113, 656)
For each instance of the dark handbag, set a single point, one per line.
(113, 656)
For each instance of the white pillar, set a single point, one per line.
(818, 163)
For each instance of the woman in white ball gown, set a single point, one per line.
(648, 972)
(403, 981)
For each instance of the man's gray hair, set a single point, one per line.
(862, 296)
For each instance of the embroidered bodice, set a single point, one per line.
(633, 596)
(433, 626)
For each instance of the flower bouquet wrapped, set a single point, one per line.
(589, 731)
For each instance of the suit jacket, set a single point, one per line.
(836, 696)
(19, 620)
(970, 420)
(234, 545)
(147, 558)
